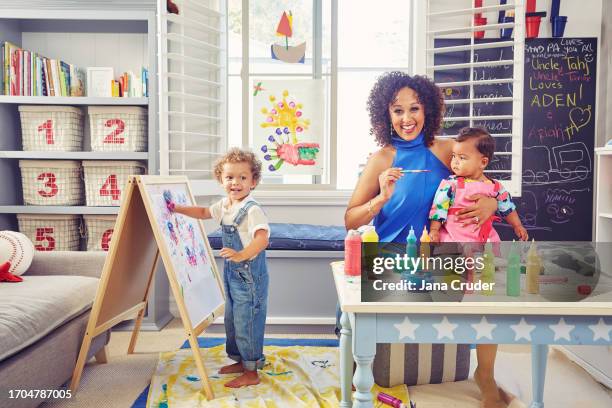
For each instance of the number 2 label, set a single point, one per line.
(110, 188)
(113, 137)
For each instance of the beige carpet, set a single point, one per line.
(118, 383)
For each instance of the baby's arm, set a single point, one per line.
(507, 209)
(259, 243)
(439, 209)
(520, 231)
(202, 213)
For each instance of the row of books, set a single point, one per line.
(131, 85)
(27, 73)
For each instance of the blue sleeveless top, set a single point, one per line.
(414, 192)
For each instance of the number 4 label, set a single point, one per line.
(110, 188)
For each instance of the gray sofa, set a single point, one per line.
(43, 321)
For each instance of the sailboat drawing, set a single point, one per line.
(288, 53)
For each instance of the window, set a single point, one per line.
(480, 72)
(361, 55)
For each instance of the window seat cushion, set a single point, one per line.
(297, 237)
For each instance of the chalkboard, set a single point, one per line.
(558, 128)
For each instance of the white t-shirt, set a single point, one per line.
(255, 219)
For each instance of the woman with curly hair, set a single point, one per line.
(406, 114)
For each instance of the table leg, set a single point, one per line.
(363, 380)
(346, 361)
(539, 354)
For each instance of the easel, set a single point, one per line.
(128, 272)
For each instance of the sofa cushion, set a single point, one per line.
(33, 308)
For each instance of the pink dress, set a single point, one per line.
(452, 196)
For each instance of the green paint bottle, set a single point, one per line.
(513, 272)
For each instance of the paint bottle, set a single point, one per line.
(411, 249)
(534, 264)
(488, 271)
(369, 238)
(424, 250)
(513, 272)
(352, 253)
(390, 400)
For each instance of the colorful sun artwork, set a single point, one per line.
(285, 139)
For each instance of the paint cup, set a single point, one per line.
(479, 21)
(507, 32)
(531, 5)
(558, 26)
(532, 26)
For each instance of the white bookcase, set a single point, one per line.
(121, 34)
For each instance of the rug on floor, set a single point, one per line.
(298, 373)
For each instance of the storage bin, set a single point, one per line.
(51, 232)
(118, 128)
(51, 182)
(99, 231)
(45, 128)
(105, 180)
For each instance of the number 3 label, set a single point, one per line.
(42, 235)
(49, 180)
(113, 138)
(110, 188)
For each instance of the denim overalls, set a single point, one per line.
(246, 290)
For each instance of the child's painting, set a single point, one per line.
(288, 125)
(187, 248)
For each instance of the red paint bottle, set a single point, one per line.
(352, 253)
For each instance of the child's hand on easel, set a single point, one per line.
(232, 255)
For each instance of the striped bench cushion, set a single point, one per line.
(414, 364)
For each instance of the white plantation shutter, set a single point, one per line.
(192, 58)
(482, 80)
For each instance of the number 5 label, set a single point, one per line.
(42, 235)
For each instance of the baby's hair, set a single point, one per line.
(484, 141)
(236, 155)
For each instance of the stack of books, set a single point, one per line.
(131, 85)
(27, 73)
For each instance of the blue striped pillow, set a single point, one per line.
(414, 364)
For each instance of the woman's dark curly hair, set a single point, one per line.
(384, 93)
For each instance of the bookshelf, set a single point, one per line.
(112, 33)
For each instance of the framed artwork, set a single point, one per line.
(288, 118)
(99, 81)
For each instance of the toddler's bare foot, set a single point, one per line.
(246, 379)
(232, 369)
(489, 391)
